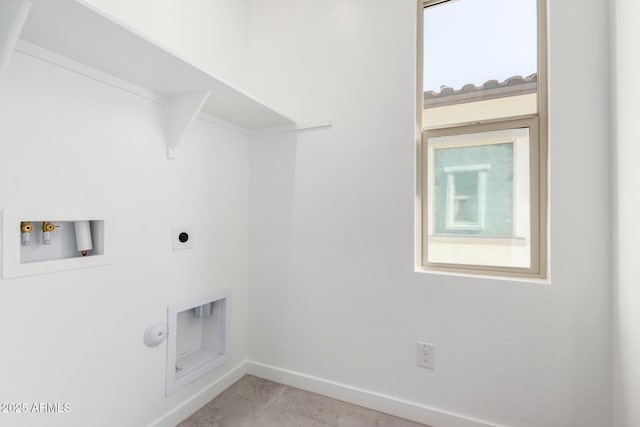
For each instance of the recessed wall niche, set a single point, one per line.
(198, 338)
(36, 242)
(52, 240)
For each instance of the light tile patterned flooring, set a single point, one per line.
(254, 402)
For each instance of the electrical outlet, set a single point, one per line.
(426, 355)
(182, 237)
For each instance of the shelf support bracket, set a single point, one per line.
(181, 110)
(12, 18)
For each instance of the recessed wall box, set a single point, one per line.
(53, 240)
(198, 339)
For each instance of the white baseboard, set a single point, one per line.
(201, 398)
(369, 399)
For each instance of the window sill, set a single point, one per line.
(477, 240)
(525, 280)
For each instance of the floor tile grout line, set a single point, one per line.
(269, 403)
(276, 397)
(319, 422)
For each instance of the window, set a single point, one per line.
(482, 151)
(465, 195)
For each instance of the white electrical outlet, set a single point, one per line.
(426, 355)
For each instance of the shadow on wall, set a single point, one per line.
(273, 161)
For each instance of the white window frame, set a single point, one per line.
(481, 171)
(538, 154)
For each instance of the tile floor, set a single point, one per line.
(254, 402)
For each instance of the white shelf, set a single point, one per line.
(79, 31)
(12, 18)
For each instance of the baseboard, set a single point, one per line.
(201, 398)
(369, 399)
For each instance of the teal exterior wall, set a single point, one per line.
(498, 190)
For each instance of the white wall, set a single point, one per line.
(211, 34)
(626, 355)
(70, 142)
(333, 293)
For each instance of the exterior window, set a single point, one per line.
(482, 151)
(465, 197)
